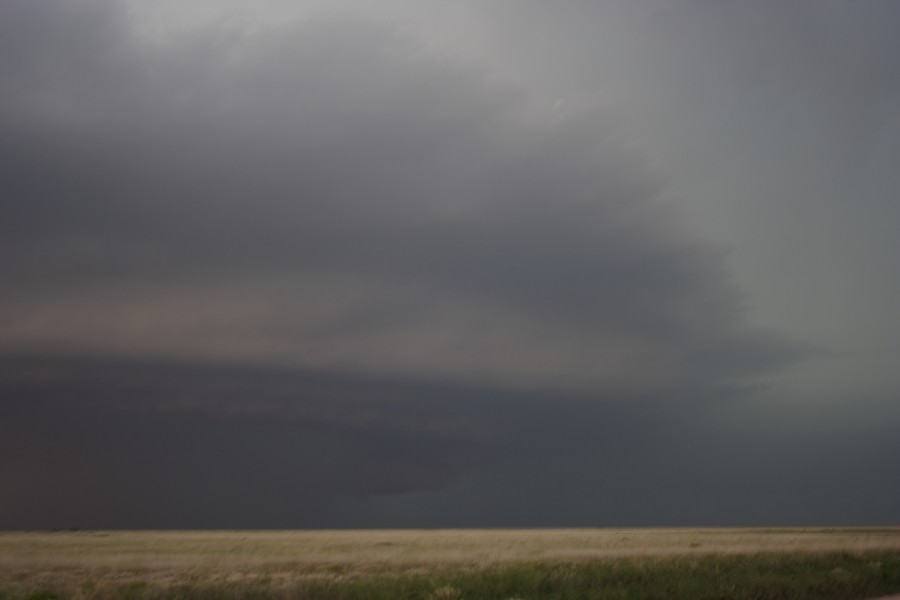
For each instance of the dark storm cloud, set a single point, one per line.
(324, 274)
(164, 444)
(113, 443)
(155, 444)
(590, 467)
(338, 164)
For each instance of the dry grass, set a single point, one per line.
(85, 562)
(229, 549)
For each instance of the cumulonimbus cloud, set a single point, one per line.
(337, 195)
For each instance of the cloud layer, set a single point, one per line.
(335, 194)
(411, 264)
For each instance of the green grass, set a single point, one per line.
(793, 576)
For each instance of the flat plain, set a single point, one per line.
(504, 563)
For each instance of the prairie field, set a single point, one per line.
(528, 563)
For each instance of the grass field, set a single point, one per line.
(454, 564)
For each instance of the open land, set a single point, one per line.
(529, 563)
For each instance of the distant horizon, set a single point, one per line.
(438, 528)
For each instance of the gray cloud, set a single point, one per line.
(777, 126)
(340, 272)
(157, 444)
(150, 444)
(338, 163)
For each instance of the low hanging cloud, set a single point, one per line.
(334, 194)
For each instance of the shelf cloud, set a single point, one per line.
(325, 264)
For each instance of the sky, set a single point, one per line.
(310, 264)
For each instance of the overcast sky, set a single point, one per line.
(408, 263)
